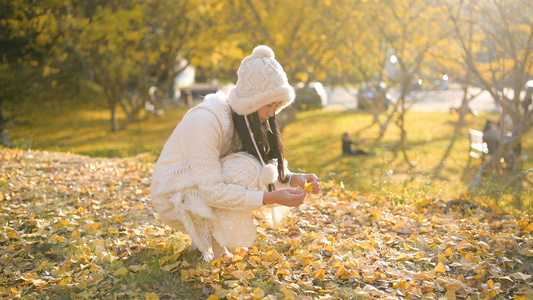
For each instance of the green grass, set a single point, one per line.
(313, 143)
(84, 127)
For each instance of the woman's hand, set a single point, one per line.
(286, 197)
(299, 180)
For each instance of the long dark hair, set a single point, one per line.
(267, 137)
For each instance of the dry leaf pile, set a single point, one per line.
(84, 227)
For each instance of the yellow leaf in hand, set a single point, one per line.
(308, 186)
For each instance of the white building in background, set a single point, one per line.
(185, 88)
(184, 79)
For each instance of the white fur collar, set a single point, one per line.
(217, 103)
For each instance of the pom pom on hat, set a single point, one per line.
(263, 51)
(261, 81)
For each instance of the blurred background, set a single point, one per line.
(112, 78)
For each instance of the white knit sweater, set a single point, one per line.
(192, 192)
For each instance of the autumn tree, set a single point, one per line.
(304, 36)
(498, 54)
(29, 45)
(365, 61)
(447, 58)
(408, 30)
(127, 47)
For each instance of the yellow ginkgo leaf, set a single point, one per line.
(401, 256)
(184, 274)
(151, 297)
(440, 268)
(450, 295)
(272, 255)
(490, 283)
(521, 276)
(319, 274)
(135, 268)
(308, 186)
(121, 271)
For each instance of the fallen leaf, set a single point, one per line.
(521, 276)
(121, 271)
(440, 268)
(151, 297)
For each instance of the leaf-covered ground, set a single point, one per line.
(74, 227)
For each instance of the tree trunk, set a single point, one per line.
(114, 118)
(286, 116)
(403, 140)
(4, 139)
(131, 116)
(401, 121)
(463, 110)
(383, 126)
(456, 134)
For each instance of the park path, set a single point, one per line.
(431, 100)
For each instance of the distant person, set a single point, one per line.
(508, 127)
(507, 124)
(347, 148)
(491, 136)
(527, 102)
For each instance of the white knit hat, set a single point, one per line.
(261, 81)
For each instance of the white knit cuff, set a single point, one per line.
(290, 177)
(254, 200)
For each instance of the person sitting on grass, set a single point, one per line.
(347, 146)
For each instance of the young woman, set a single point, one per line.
(225, 159)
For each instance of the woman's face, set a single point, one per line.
(268, 111)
